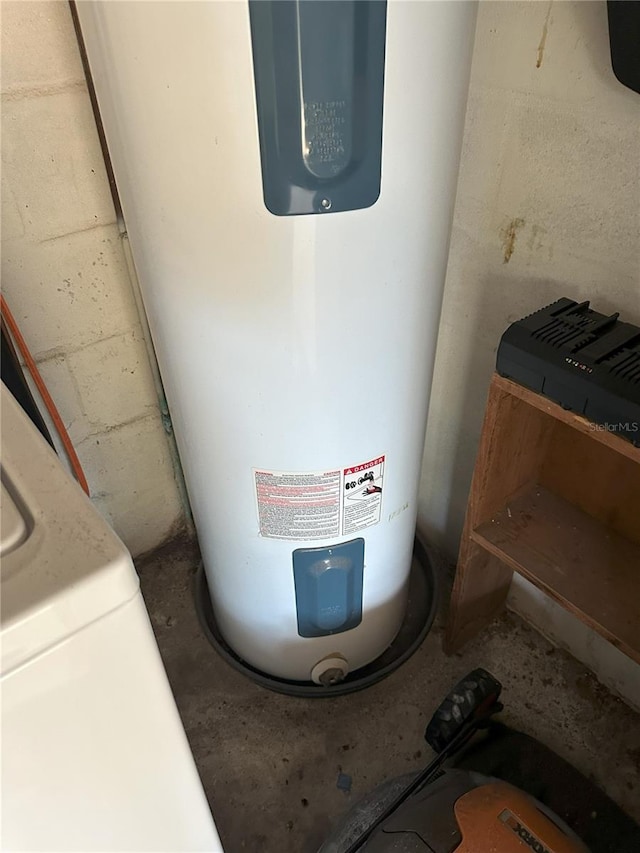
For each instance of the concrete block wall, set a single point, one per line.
(548, 205)
(67, 281)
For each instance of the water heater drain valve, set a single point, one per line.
(330, 670)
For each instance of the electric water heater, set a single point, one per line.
(287, 171)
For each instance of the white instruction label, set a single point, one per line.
(298, 505)
(362, 495)
(319, 504)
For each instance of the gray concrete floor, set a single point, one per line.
(270, 763)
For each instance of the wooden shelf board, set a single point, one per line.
(582, 424)
(588, 568)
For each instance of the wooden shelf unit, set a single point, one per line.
(557, 500)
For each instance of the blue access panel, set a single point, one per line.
(328, 584)
(319, 77)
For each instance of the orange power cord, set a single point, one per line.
(44, 393)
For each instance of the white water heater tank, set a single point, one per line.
(287, 172)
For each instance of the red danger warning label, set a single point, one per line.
(362, 495)
(319, 504)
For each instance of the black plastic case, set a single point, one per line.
(587, 362)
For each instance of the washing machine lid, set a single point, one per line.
(62, 566)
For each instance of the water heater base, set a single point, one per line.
(421, 611)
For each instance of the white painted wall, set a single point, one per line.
(65, 276)
(551, 152)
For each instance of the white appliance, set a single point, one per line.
(94, 756)
(287, 173)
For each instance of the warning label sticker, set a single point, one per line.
(362, 495)
(298, 506)
(319, 504)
